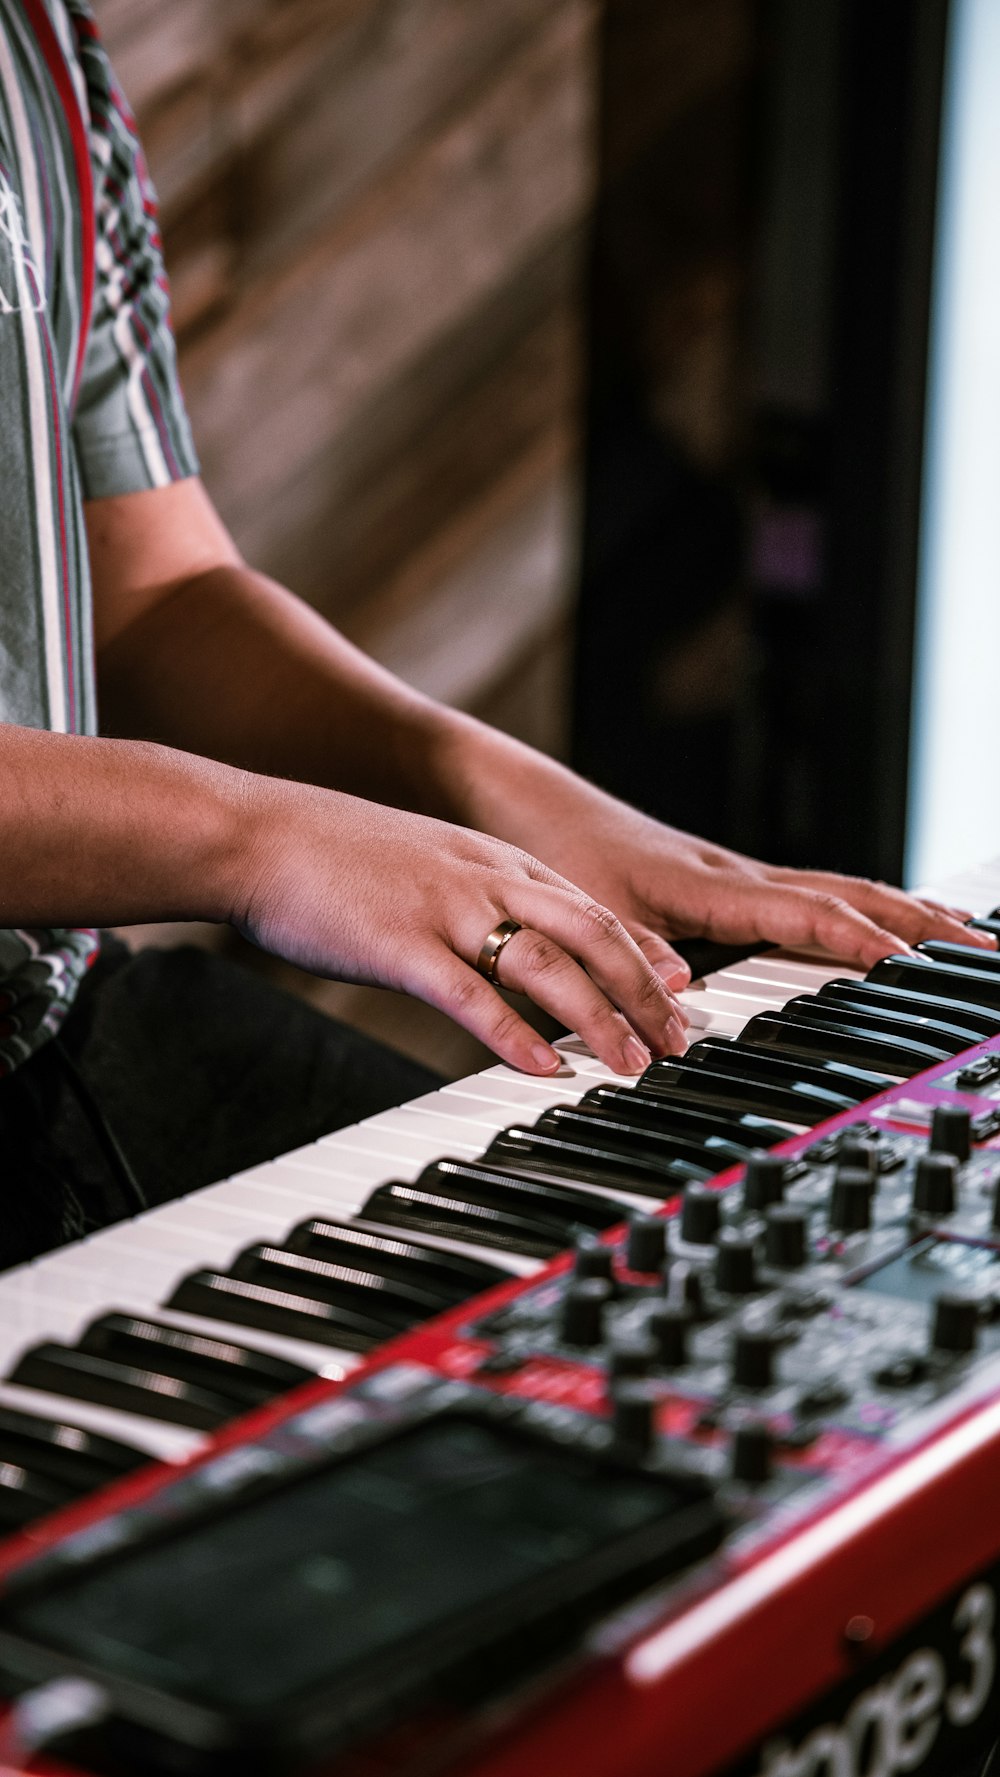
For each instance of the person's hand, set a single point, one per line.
(666, 884)
(354, 890)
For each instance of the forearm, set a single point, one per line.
(103, 832)
(231, 666)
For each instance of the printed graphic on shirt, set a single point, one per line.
(20, 285)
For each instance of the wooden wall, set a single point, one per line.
(373, 216)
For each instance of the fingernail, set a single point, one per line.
(677, 1036)
(635, 1055)
(545, 1059)
(672, 974)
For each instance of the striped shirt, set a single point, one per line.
(89, 404)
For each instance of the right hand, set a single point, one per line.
(360, 892)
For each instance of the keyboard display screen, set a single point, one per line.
(296, 1588)
(930, 1266)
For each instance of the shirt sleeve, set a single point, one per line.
(130, 426)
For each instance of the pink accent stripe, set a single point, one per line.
(63, 82)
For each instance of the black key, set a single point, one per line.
(488, 1206)
(803, 1037)
(960, 956)
(991, 923)
(951, 1038)
(396, 1305)
(607, 1161)
(234, 1299)
(454, 1275)
(491, 1181)
(58, 1369)
(26, 1495)
(672, 1114)
(801, 1106)
(424, 1211)
(871, 997)
(924, 974)
(618, 1135)
(245, 1377)
(721, 1055)
(80, 1460)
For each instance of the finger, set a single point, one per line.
(599, 942)
(913, 918)
(534, 964)
(671, 968)
(960, 913)
(807, 918)
(457, 989)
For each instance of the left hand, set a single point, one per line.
(664, 884)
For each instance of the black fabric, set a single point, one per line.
(200, 1069)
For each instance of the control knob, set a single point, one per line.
(785, 1236)
(951, 1131)
(646, 1243)
(752, 1452)
(701, 1215)
(934, 1184)
(583, 1306)
(634, 1417)
(669, 1328)
(592, 1259)
(955, 1323)
(764, 1180)
(735, 1264)
(754, 1351)
(851, 1200)
(856, 1151)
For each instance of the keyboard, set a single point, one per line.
(142, 1341)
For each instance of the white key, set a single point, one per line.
(523, 1097)
(760, 995)
(271, 1217)
(313, 1183)
(707, 1019)
(457, 1119)
(584, 1062)
(793, 974)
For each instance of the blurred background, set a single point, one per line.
(623, 370)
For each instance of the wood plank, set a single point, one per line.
(326, 99)
(300, 358)
(475, 599)
(430, 441)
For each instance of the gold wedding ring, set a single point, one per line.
(486, 961)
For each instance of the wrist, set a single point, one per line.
(500, 785)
